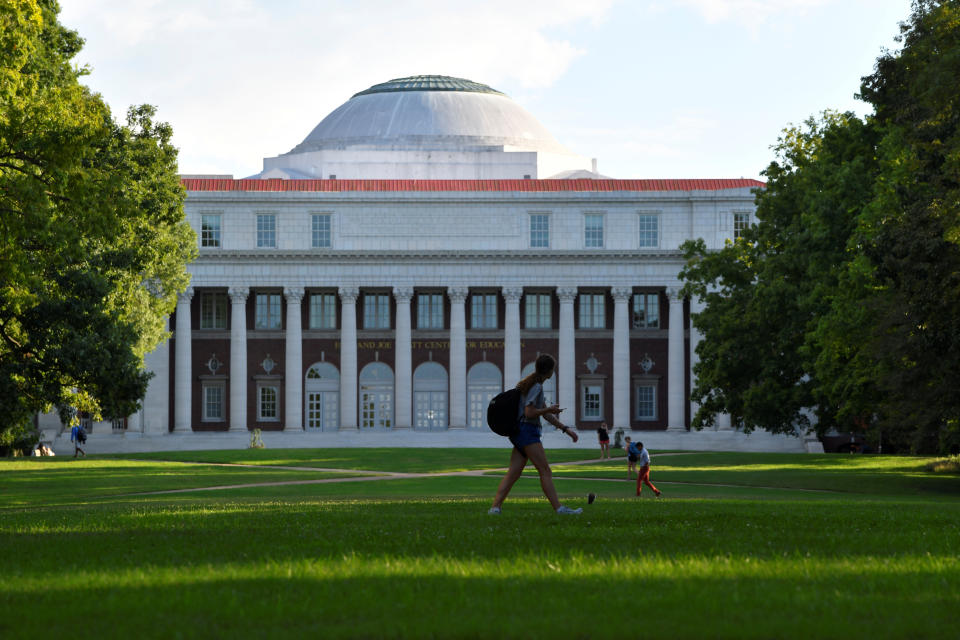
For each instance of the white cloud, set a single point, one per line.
(251, 78)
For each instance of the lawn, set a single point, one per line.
(741, 546)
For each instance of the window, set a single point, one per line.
(591, 311)
(593, 230)
(649, 231)
(266, 230)
(740, 223)
(376, 311)
(646, 311)
(646, 401)
(430, 311)
(213, 311)
(537, 309)
(323, 311)
(539, 230)
(592, 402)
(320, 225)
(483, 311)
(268, 403)
(210, 231)
(268, 311)
(213, 403)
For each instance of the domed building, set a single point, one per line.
(409, 259)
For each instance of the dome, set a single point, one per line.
(424, 113)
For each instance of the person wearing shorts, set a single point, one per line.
(604, 437)
(526, 440)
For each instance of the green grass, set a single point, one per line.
(742, 548)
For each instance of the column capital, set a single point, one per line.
(673, 293)
(238, 294)
(293, 294)
(566, 294)
(621, 294)
(349, 294)
(512, 294)
(185, 296)
(403, 294)
(457, 294)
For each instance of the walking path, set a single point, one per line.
(366, 475)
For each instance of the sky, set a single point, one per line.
(651, 88)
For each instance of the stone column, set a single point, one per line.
(348, 357)
(293, 374)
(621, 357)
(182, 375)
(512, 364)
(458, 358)
(566, 357)
(675, 363)
(695, 307)
(238, 358)
(156, 402)
(404, 359)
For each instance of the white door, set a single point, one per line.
(322, 410)
(376, 409)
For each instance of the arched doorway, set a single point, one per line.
(430, 396)
(549, 387)
(483, 382)
(322, 397)
(376, 396)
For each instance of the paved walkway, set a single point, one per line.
(366, 475)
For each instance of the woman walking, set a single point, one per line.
(527, 446)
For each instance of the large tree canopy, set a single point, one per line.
(844, 299)
(93, 240)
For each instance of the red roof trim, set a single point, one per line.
(545, 186)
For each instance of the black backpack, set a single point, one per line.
(502, 412)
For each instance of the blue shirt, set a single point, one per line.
(534, 397)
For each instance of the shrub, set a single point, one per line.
(18, 439)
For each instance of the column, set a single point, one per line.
(348, 357)
(566, 357)
(458, 358)
(293, 374)
(511, 337)
(696, 305)
(156, 402)
(182, 375)
(238, 358)
(404, 359)
(675, 363)
(621, 357)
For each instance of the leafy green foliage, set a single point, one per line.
(93, 241)
(844, 300)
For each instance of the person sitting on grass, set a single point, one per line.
(527, 446)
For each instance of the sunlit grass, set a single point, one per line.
(727, 554)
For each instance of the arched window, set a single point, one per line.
(322, 397)
(483, 382)
(549, 387)
(430, 396)
(376, 396)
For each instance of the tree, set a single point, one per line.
(93, 240)
(850, 281)
(765, 292)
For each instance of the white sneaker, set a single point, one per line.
(494, 511)
(563, 509)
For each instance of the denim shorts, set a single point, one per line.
(526, 433)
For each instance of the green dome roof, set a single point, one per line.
(428, 83)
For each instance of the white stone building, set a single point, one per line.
(410, 258)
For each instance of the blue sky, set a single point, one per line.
(652, 89)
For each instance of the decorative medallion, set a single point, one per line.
(592, 363)
(268, 364)
(213, 364)
(647, 363)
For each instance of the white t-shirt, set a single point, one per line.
(644, 457)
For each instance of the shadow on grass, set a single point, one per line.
(306, 600)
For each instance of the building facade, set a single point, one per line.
(412, 257)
